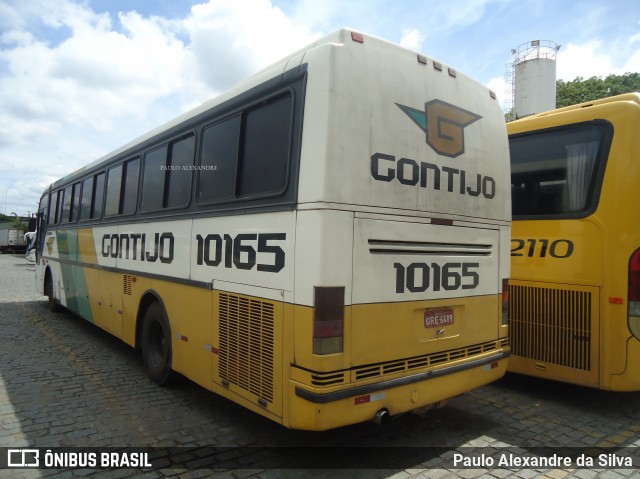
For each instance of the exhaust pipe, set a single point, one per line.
(381, 417)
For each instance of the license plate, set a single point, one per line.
(434, 318)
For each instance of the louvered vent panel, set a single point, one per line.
(246, 344)
(402, 365)
(551, 325)
(126, 284)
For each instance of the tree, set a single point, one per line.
(594, 88)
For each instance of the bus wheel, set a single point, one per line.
(48, 292)
(156, 345)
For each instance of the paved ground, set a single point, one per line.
(64, 383)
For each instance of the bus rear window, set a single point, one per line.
(557, 172)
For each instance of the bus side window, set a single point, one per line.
(130, 186)
(114, 184)
(153, 179)
(53, 208)
(59, 209)
(66, 208)
(180, 174)
(122, 188)
(166, 180)
(75, 203)
(217, 173)
(98, 196)
(85, 202)
(266, 147)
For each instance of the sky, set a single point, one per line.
(80, 78)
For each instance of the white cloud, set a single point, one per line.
(231, 39)
(412, 39)
(586, 60)
(594, 58)
(634, 39)
(498, 86)
(107, 79)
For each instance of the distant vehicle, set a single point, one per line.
(575, 250)
(325, 244)
(30, 238)
(12, 241)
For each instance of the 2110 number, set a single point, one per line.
(560, 248)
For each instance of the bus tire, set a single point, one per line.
(53, 304)
(156, 345)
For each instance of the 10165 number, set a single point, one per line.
(241, 252)
(420, 277)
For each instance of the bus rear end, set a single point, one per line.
(402, 225)
(575, 244)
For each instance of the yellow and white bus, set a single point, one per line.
(575, 252)
(325, 244)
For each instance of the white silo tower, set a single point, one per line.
(533, 77)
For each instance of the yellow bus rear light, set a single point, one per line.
(328, 319)
(633, 294)
(328, 329)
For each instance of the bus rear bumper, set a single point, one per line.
(314, 410)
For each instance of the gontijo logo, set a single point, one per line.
(443, 124)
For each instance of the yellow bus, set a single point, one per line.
(575, 251)
(325, 244)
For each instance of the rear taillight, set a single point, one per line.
(505, 302)
(328, 320)
(633, 294)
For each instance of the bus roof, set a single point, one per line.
(272, 71)
(632, 97)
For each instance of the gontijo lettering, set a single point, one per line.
(136, 247)
(427, 175)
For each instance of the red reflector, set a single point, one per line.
(362, 400)
(494, 365)
(616, 300)
(357, 37)
(327, 329)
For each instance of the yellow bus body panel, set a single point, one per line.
(603, 243)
